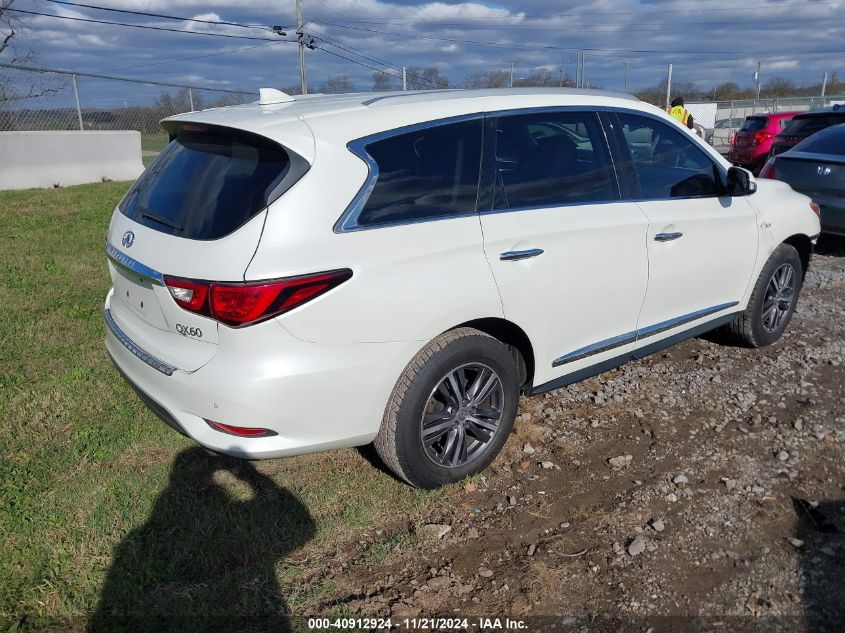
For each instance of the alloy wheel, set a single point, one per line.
(462, 415)
(780, 293)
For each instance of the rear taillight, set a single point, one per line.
(815, 208)
(239, 304)
(759, 137)
(733, 138)
(240, 431)
(768, 170)
(188, 294)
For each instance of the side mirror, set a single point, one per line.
(740, 182)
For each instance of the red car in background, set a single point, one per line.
(750, 146)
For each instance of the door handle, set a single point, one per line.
(668, 237)
(515, 256)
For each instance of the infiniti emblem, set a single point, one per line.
(128, 239)
(821, 170)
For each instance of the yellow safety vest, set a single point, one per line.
(680, 113)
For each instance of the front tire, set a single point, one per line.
(773, 300)
(451, 410)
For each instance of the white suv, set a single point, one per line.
(301, 274)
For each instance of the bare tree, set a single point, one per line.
(488, 79)
(779, 87)
(336, 84)
(383, 82)
(425, 78)
(10, 28)
(543, 77)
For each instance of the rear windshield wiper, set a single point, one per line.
(146, 213)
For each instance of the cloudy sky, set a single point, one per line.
(707, 41)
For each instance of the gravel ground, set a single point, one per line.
(707, 480)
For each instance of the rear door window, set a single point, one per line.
(427, 173)
(550, 159)
(206, 184)
(666, 161)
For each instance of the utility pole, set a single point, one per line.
(757, 82)
(560, 82)
(404, 78)
(511, 62)
(668, 86)
(824, 84)
(301, 37)
(584, 70)
(76, 97)
(627, 63)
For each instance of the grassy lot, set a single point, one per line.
(102, 507)
(153, 142)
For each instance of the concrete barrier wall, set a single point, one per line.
(46, 159)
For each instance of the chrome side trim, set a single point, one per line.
(657, 328)
(515, 256)
(642, 333)
(122, 259)
(595, 348)
(129, 344)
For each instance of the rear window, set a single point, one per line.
(829, 141)
(754, 124)
(206, 184)
(806, 125)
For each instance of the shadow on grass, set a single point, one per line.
(206, 558)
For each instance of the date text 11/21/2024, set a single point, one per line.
(419, 624)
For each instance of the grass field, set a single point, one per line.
(105, 510)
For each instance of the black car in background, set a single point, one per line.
(805, 125)
(816, 168)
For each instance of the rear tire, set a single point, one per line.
(773, 300)
(451, 410)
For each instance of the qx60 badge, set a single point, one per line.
(128, 239)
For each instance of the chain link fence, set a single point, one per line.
(728, 116)
(48, 99)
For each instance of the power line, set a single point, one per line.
(337, 44)
(355, 61)
(160, 15)
(432, 83)
(103, 76)
(146, 26)
(540, 47)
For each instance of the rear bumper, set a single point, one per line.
(746, 157)
(314, 396)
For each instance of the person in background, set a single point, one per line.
(678, 111)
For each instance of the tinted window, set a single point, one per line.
(428, 173)
(549, 159)
(829, 141)
(806, 125)
(667, 163)
(754, 123)
(205, 185)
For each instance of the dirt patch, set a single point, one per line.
(701, 520)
